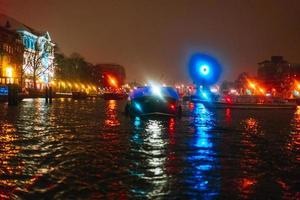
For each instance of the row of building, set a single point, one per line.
(278, 73)
(26, 55)
(27, 58)
(276, 77)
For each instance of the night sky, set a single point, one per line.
(154, 39)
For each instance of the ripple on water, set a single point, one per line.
(90, 150)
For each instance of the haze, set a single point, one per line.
(154, 39)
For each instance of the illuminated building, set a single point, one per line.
(38, 55)
(11, 56)
(277, 72)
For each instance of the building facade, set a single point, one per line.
(37, 69)
(38, 59)
(278, 73)
(11, 57)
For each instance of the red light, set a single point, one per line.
(172, 107)
(228, 100)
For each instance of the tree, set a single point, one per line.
(36, 63)
(242, 79)
(73, 68)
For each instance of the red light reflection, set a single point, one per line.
(111, 113)
(228, 115)
(246, 185)
(172, 130)
(191, 107)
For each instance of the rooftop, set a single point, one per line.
(14, 25)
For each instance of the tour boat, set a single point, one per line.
(247, 102)
(153, 100)
(114, 96)
(79, 95)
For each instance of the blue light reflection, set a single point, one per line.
(203, 159)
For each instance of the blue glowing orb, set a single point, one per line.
(204, 69)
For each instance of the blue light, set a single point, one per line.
(204, 69)
(137, 122)
(204, 95)
(204, 159)
(138, 106)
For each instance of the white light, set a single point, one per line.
(232, 91)
(9, 72)
(204, 69)
(156, 90)
(214, 90)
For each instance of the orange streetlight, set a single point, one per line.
(252, 85)
(112, 81)
(9, 72)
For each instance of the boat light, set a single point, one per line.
(138, 106)
(172, 107)
(204, 95)
(228, 100)
(156, 90)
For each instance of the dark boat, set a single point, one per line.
(186, 98)
(114, 96)
(79, 95)
(249, 102)
(15, 94)
(147, 101)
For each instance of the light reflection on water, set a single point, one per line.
(204, 178)
(111, 114)
(150, 166)
(89, 150)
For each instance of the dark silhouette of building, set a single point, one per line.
(102, 72)
(277, 72)
(11, 56)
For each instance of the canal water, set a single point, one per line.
(88, 149)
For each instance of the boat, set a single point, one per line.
(114, 96)
(248, 102)
(186, 98)
(153, 100)
(16, 94)
(79, 95)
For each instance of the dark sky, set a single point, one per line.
(154, 39)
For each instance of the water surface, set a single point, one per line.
(76, 149)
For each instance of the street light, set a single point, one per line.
(9, 72)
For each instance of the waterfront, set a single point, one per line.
(91, 150)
